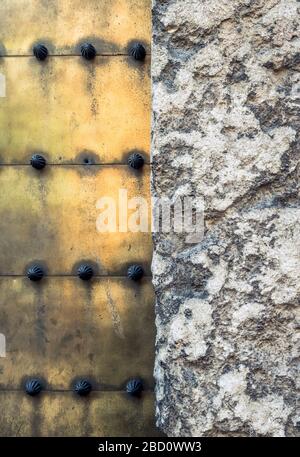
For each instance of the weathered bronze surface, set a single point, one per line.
(62, 329)
(69, 109)
(63, 25)
(75, 123)
(50, 218)
(68, 414)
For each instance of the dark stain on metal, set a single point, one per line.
(44, 69)
(3, 52)
(90, 82)
(87, 169)
(40, 309)
(113, 310)
(87, 157)
(36, 418)
(94, 107)
(37, 415)
(88, 428)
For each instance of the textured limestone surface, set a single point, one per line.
(226, 118)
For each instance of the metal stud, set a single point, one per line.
(33, 387)
(137, 51)
(83, 387)
(37, 161)
(134, 387)
(35, 273)
(136, 161)
(88, 51)
(85, 272)
(40, 51)
(135, 272)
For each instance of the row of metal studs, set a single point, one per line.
(85, 272)
(135, 160)
(88, 51)
(83, 387)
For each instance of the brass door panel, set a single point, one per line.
(62, 328)
(70, 110)
(85, 117)
(64, 414)
(50, 217)
(62, 25)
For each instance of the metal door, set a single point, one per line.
(85, 115)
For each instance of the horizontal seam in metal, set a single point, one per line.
(72, 391)
(70, 55)
(109, 164)
(3, 275)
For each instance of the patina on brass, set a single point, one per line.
(68, 414)
(69, 109)
(62, 329)
(75, 126)
(50, 218)
(64, 25)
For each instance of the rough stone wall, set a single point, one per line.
(226, 118)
